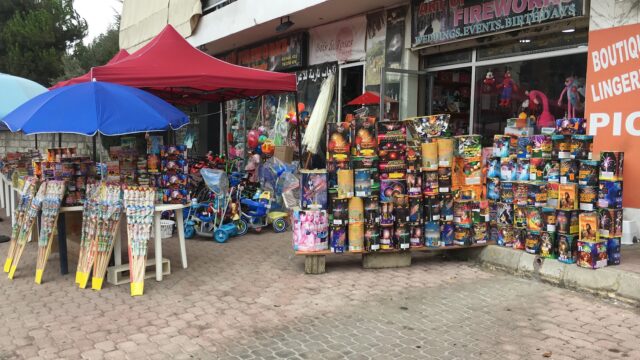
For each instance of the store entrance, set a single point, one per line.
(449, 92)
(351, 84)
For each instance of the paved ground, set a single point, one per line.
(249, 299)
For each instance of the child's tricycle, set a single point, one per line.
(258, 215)
(208, 219)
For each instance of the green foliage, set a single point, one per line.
(35, 35)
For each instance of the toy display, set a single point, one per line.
(507, 87)
(571, 90)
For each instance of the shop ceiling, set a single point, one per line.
(323, 13)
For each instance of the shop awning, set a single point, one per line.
(176, 71)
(122, 54)
(370, 98)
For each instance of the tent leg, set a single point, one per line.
(36, 138)
(298, 139)
(60, 140)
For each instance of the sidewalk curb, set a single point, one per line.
(609, 281)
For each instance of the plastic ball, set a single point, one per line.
(262, 139)
(300, 107)
(252, 141)
(258, 150)
(262, 129)
(268, 148)
(253, 133)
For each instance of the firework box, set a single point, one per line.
(522, 170)
(520, 216)
(504, 214)
(371, 203)
(571, 126)
(588, 223)
(445, 152)
(506, 192)
(567, 248)
(549, 219)
(613, 251)
(552, 194)
(610, 222)
(532, 242)
(588, 172)
(568, 171)
(468, 146)
(516, 131)
(493, 168)
(371, 236)
(431, 125)
(581, 147)
(338, 142)
(339, 209)
(314, 189)
(493, 189)
(432, 234)
(400, 208)
(430, 184)
(470, 192)
(592, 255)
(561, 147)
(611, 165)
(508, 169)
(415, 237)
(506, 235)
(534, 218)
(391, 132)
(588, 197)
(429, 153)
(567, 222)
(548, 245)
(610, 194)
(444, 180)
(338, 242)
(537, 194)
(541, 146)
(462, 213)
(415, 210)
(472, 169)
(413, 158)
(501, 145)
(568, 196)
(414, 183)
(391, 187)
(462, 236)
(345, 183)
(332, 171)
(402, 236)
(551, 171)
(536, 168)
(519, 239)
(523, 147)
(386, 214)
(365, 162)
(356, 210)
(356, 236)
(479, 233)
(431, 209)
(446, 208)
(386, 238)
(363, 179)
(520, 193)
(493, 233)
(364, 139)
(447, 230)
(310, 230)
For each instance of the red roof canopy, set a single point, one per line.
(122, 54)
(173, 69)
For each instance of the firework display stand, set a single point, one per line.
(392, 188)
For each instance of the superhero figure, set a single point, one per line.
(508, 86)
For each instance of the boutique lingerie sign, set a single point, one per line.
(340, 41)
(439, 21)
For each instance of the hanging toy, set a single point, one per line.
(571, 88)
(300, 107)
(291, 118)
(489, 83)
(262, 139)
(546, 119)
(268, 147)
(508, 86)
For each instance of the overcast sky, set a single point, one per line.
(98, 13)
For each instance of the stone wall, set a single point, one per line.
(12, 142)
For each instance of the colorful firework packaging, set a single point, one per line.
(314, 189)
(613, 251)
(430, 183)
(445, 152)
(520, 216)
(521, 193)
(551, 171)
(611, 165)
(432, 234)
(332, 172)
(340, 210)
(338, 142)
(505, 214)
(536, 169)
(610, 222)
(356, 236)
(462, 213)
(522, 169)
(520, 239)
(588, 196)
(402, 236)
(588, 172)
(523, 147)
(561, 147)
(567, 222)
(413, 158)
(414, 183)
(588, 223)
(610, 194)
(468, 146)
(506, 235)
(415, 210)
(371, 236)
(571, 126)
(356, 210)
(415, 239)
(338, 242)
(472, 168)
(493, 189)
(549, 219)
(501, 145)
(345, 183)
(50, 208)
(534, 218)
(391, 132)
(541, 146)
(548, 245)
(446, 208)
(462, 236)
(430, 155)
(493, 168)
(532, 242)
(386, 238)
(581, 147)
(567, 248)
(568, 171)
(470, 192)
(568, 196)
(401, 209)
(444, 180)
(506, 192)
(386, 214)
(592, 255)
(553, 194)
(537, 194)
(138, 204)
(479, 233)
(431, 125)
(447, 230)
(363, 182)
(431, 208)
(508, 169)
(365, 143)
(391, 187)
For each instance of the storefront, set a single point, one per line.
(483, 63)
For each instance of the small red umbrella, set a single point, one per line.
(370, 98)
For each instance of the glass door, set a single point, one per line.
(449, 92)
(350, 84)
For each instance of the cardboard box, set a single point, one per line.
(592, 255)
(284, 153)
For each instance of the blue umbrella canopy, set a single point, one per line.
(95, 107)
(15, 91)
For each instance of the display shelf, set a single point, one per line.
(413, 249)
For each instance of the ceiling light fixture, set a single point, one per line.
(568, 30)
(525, 41)
(284, 25)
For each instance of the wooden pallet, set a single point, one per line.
(118, 275)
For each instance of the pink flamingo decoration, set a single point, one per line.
(545, 119)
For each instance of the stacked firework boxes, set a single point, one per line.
(546, 198)
(169, 173)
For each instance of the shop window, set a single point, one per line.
(450, 93)
(498, 98)
(527, 46)
(448, 58)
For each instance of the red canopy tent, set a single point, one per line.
(122, 54)
(173, 69)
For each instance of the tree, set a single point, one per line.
(35, 35)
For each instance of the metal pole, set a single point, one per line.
(298, 122)
(223, 132)
(59, 140)
(95, 149)
(36, 138)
